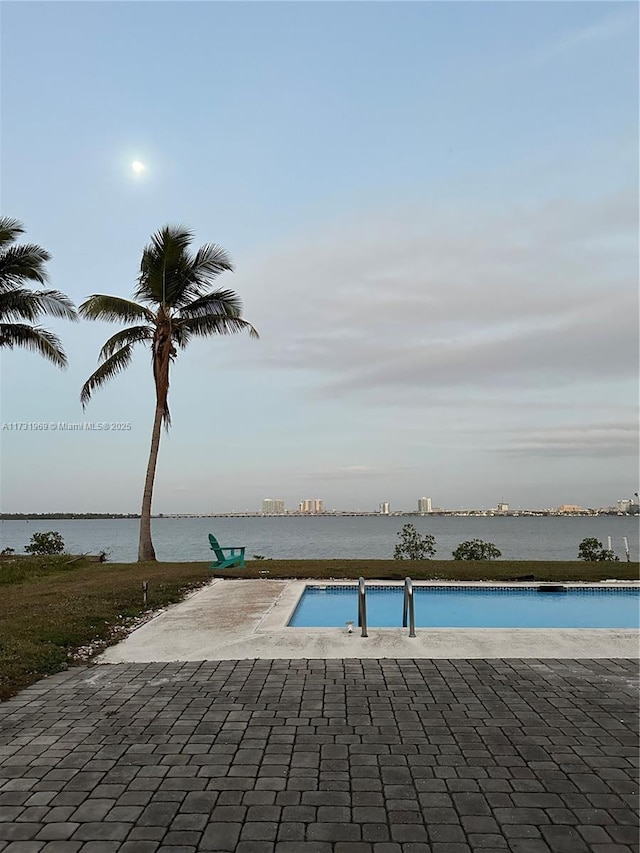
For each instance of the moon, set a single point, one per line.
(137, 167)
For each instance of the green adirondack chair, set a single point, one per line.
(226, 562)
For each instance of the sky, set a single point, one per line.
(432, 209)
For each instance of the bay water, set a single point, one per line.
(330, 537)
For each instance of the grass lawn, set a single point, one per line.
(55, 612)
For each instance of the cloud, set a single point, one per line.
(589, 440)
(605, 30)
(533, 299)
(355, 472)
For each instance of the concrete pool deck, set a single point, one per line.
(247, 619)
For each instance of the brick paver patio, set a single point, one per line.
(314, 756)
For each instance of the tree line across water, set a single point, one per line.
(175, 300)
(63, 516)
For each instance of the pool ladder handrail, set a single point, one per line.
(362, 607)
(409, 608)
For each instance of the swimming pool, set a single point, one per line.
(472, 607)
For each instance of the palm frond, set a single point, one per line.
(207, 264)
(132, 335)
(164, 265)
(57, 304)
(23, 263)
(170, 274)
(210, 260)
(214, 324)
(171, 242)
(114, 309)
(226, 302)
(33, 338)
(19, 303)
(9, 229)
(118, 362)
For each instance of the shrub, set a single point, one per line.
(476, 549)
(591, 550)
(28, 568)
(45, 543)
(412, 546)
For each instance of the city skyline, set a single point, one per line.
(277, 506)
(434, 230)
(316, 506)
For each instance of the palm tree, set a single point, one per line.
(175, 303)
(18, 265)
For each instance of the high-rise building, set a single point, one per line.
(424, 505)
(273, 506)
(384, 508)
(311, 506)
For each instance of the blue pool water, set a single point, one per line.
(472, 607)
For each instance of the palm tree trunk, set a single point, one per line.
(146, 550)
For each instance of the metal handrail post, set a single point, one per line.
(362, 607)
(408, 606)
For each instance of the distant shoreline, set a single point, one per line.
(471, 513)
(66, 516)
